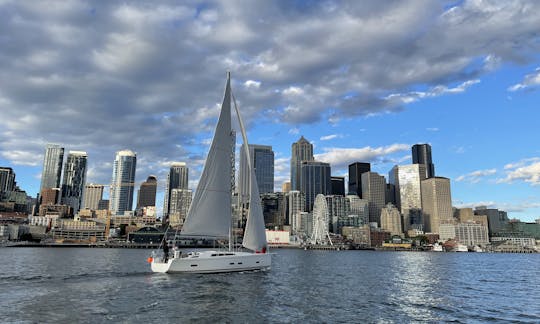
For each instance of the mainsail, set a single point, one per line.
(210, 212)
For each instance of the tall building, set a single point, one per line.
(74, 180)
(296, 202)
(176, 179)
(52, 167)
(301, 151)
(146, 196)
(49, 196)
(286, 187)
(338, 212)
(7, 179)
(355, 177)
(338, 186)
(123, 182)
(274, 211)
(407, 182)
(262, 160)
(497, 219)
(180, 202)
(436, 203)
(374, 191)
(421, 154)
(358, 207)
(315, 179)
(391, 220)
(93, 193)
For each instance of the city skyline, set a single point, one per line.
(105, 77)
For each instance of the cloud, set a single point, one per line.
(432, 129)
(342, 157)
(476, 176)
(104, 76)
(527, 170)
(330, 137)
(518, 207)
(529, 81)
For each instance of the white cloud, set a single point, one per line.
(432, 129)
(330, 137)
(476, 176)
(294, 131)
(527, 170)
(252, 84)
(530, 80)
(518, 207)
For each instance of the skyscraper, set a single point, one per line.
(421, 154)
(315, 179)
(52, 167)
(147, 193)
(436, 203)
(7, 179)
(177, 178)
(296, 202)
(355, 177)
(179, 206)
(93, 193)
(123, 182)
(301, 151)
(406, 179)
(391, 220)
(338, 186)
(374, 191)
(74, 179)
(262, 160)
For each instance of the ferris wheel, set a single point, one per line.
(320, 222)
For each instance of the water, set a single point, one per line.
(78, 285)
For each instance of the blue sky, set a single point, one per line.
(363, 81)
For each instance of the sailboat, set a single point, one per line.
(210, 213)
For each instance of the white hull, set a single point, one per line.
(213, 262)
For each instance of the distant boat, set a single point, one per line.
(461, 248)
(476, 248)
(437, 248)
(210, 213)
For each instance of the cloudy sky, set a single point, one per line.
(362, 80)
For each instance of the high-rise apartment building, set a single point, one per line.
(7, 179)
(374, 191)
(391, 220)
(497, 219)
(262, 161)
(355, 177)
(296, 202)
(93, 193)
(421, 154)
(407, 182)
(301, 151)
(123, 182)
(52, 166)
(436, 203)
(315, 179)
(176, 179)
(179, 205)
(146, 196)
(74, 179)
(358, 207)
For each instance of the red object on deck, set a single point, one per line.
(150, 259)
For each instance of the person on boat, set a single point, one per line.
(165, 251)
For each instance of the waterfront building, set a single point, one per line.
(519, 240)
(74, 179)
(274, 211)
(374, 191)
(358, 207)
(472, 234)
(176, 179)
(338, 186)
(355, 177)
(338, 212)
(306, 224)
(315, 179)
(93, 193)
(421, 154)
(147, 193)
(262, 161)
(52, 166)
(179, 205)
(436, 203)
(296, 202)
(301, 151)
(123, 182)
(391, 220)
(7, 180)
(359, 235)
(407, 181)
(497, 219)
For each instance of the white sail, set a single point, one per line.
(254, 234)
(210, 210)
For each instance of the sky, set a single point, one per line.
(361, 80)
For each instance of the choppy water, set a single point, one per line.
(78, 285)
